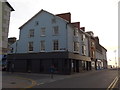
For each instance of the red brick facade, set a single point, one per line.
(66, 16)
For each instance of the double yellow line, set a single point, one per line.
(112, 85)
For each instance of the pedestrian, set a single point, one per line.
(52, 69)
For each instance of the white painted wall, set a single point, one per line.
(44, 19)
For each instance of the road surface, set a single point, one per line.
(100, 79)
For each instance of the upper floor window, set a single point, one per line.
(92, 44)
(76, 46)
(84, 50)
(42, 45)
(75, 32)
(53, 20)
(55, 30)
(93, 54)
(83, 37)
(30, 46)
(43, 31)
(31, 33)
(55, 45)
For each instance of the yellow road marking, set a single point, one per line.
(112, 85)
(33, 82)
(115, 83)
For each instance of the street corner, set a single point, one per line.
(17, 82)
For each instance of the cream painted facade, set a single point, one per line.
(0, 27)
(5, 10)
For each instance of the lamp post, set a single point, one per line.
(115, 58)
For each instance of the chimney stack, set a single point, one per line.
(76, 24)
(82, 28)
(66, 16)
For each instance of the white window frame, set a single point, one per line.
(31, 33)
(53, 20)
(54, 45)
(42, 31)
(83, 37)
(83, 50)
(75, 32)
(76, 46)
(30, 47)
(54, 30)
(42, 45)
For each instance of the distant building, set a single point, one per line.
(92, 49)
(5, 10)
(51, 40)
(101, 59)
(97, 53)
(104, 51)
(11, 41)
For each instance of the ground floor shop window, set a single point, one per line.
(93, 64)
(73, 65)
(84, 65)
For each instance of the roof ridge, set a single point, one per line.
(37, 14)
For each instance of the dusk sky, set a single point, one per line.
(99, 16)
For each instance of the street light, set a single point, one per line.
(115, 58)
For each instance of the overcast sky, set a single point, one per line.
(99, 16)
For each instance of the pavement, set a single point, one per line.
(10, 80)
(23, 80)
(29, 80)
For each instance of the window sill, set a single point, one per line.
(42, 51)
(30, 51)
(83, 54)
(58, 50)
(75, 51)
(42, 35)
(30, 37)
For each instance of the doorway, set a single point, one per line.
(29, 65)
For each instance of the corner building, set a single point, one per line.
(51, 40)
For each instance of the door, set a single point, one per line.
(29, 65)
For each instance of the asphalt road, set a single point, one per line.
(88, 79)
(100, 79)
